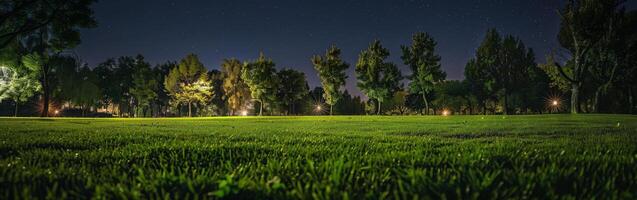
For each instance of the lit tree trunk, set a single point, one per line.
(331, 109)
(424, 97)
(189, 109)
(260, 107)
(596, 101)
(575, 98)
(378, 108)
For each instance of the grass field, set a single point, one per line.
(470, 157)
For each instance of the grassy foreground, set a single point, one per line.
(471, 157)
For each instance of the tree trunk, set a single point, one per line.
(631, 102)
(596, 100)
(424, 97)
(15, 113)
(45, 97)
(575, 98)
(260, 108)
(331, 109)
(378, 111)
(189, 109)
(506, 106)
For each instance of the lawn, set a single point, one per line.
(470, 157)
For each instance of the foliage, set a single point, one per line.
(235, 89)
(61, 19)
(501, 67)
(260, 76)
(144, 84)
(294, 89)
(424, 64)
(376, 78)
(188, 83)
(331, 71)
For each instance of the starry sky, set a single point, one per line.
(291, 31)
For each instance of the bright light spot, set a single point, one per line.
(445, 113)
(244, 113)
(318, 107)
(57, 111)
(555, 102)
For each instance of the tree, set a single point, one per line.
(260, 76)
(331, 71)
(424, 64)
(293, 90)
(501, 66)
(235, 89)
(479, 86)
(188, 82)
(18, 88)
(47, 27)
(198, 92)
(144, 84)
(62, 18)
(85, 93)
(376, 78)
(216, 104)
(162, 102)
(583, 25)
(18, 76)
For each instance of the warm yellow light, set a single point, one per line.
(555, 102)
(318, 107)
(445, 112)
(244, 113)
(56, 112)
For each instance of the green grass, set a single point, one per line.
(470, 157)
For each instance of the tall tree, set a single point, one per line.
(377, 78)
(583, 25)
(478, 83)
(162, 102)
(501, 65)
(331, 70)
(144, 84)
(425, 65)
(217, 100)
(235, 89)
(188, 82)
(293, 90)
(260, 76)
(49, 26)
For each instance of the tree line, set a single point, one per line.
(592, 71)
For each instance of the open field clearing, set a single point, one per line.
(472, 157)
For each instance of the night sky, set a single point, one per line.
(291, 31)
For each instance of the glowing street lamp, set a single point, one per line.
(318, 107)
(244, 113)
(555, 103)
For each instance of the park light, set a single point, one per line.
(244, 113)
(56, 112)
(555, 103)
(318, 107)
(445, 112)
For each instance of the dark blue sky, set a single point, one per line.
(291, 31)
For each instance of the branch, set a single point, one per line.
(559, 69)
